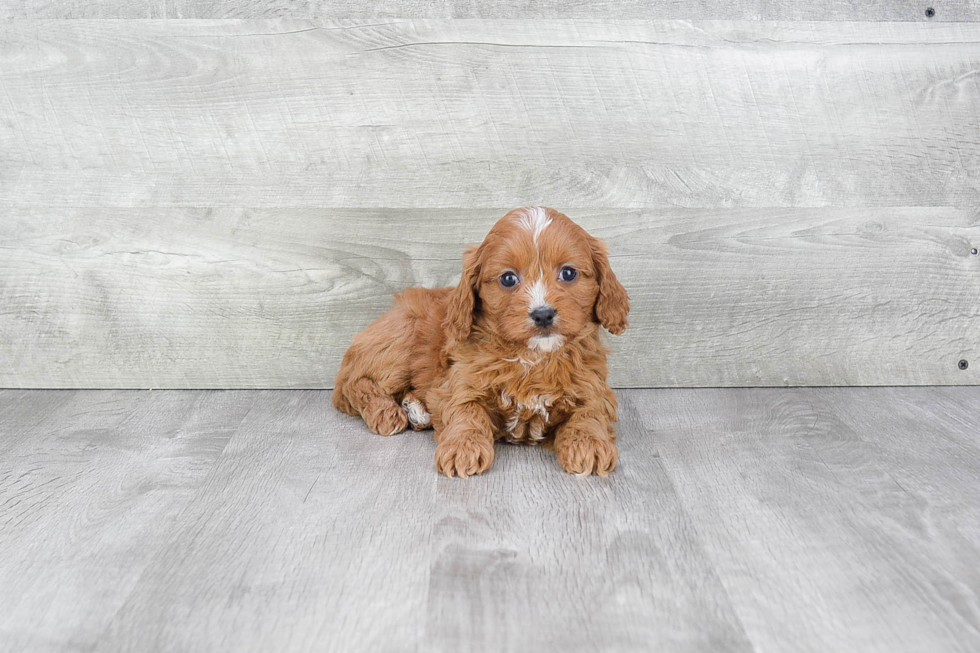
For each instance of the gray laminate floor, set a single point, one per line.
(738, 520)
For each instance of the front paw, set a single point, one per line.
(583, 453)
(385, 417)
(464, 455)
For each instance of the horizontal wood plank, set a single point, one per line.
(488, 113)
(252, 298)
(872, 10)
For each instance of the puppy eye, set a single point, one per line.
(569, 273)
(508, 280)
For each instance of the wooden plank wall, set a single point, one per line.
(222, 201)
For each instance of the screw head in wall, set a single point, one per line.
(974, 251)
(930, 12)
(963, 364)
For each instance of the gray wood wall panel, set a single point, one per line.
(871, 10)
(474, 113)
(270, 298)
(209, 203)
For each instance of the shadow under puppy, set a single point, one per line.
(512, 352)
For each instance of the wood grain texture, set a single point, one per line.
(310, 534)
(872, 10)
(845, 516)
(271, 298)
(488, 113)
(841, 519)
(90, 484)
(23, 412)
(526, 551)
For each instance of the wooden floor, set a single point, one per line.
(816, 519)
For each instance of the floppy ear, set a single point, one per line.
(462, 301)
(613, 304)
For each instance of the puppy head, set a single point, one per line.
(540, 279)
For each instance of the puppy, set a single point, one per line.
(513, 352)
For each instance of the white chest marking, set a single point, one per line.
(538, 405)
(549, 343)
(529, 420)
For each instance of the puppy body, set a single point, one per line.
(498, 356)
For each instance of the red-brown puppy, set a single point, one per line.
(512, 352)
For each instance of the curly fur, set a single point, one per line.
(471, 360)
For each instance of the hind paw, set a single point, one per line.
(418, 416)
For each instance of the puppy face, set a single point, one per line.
(540, 279)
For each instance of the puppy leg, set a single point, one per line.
(586, 443)
(379, 410)
(376, 369)
(465, 443)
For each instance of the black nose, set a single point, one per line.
(544, 316)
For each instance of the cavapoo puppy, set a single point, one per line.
(512, 352)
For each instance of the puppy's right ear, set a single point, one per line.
(462, 301)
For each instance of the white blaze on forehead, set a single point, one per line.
(539, 295)
(535, 219)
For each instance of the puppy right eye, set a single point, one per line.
(508, 280)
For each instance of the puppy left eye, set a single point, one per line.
(568, 273)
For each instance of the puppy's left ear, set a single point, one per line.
(462, 301)
(613, 303)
